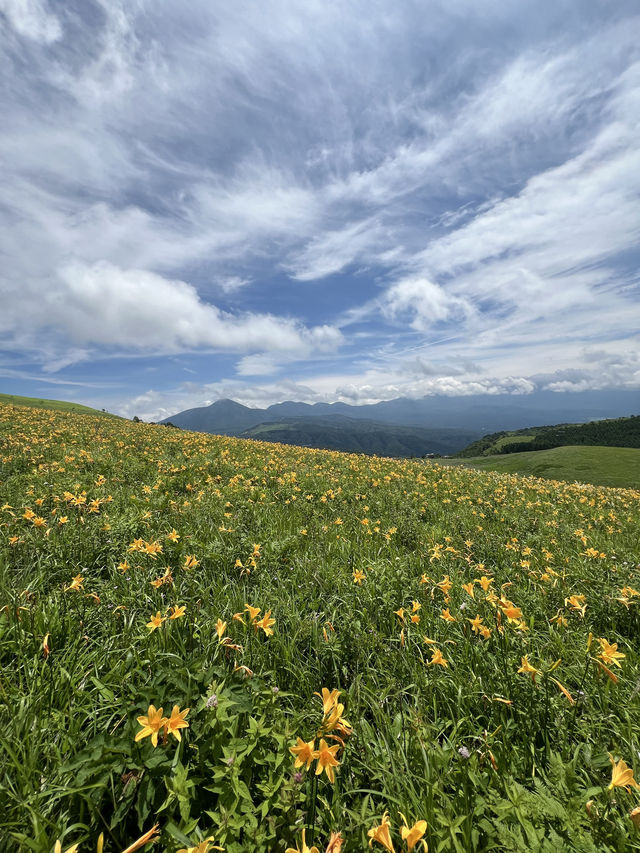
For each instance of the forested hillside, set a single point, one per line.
(615, 432)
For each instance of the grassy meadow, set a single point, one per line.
(602, 466)
(55, 405)
(220, 643)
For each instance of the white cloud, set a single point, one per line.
(32, 19)
(101, 305)
(426, 303)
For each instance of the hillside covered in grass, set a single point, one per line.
(601, 466)
(611, 432)
(51, 405)
(257, 645)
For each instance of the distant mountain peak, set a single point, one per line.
(228, 404)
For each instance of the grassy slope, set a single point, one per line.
(611, 432)
(602, 466)
(54, 405)
(105, 523)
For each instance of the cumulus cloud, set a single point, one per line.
(424, 302)
(137, 310)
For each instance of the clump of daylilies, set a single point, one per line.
(411, 835)
(153, 723)
(333, 727)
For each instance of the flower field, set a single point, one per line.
(214, 643)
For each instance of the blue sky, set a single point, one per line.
(318, 200)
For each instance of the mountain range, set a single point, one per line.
(404, 427)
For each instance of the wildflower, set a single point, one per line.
(607, 672)
(513, 613)
(304, 849)
(577, 603)
(445, 585)
(414, 833)
(190, 562)
(437, 658)
(326, 756)
(221, 627)
(447, 616)
(335, 843)
(358, 576)
(560, 620)
(609, 653)
(176, 612)
(123, 566)
(400, 613)
(621, 775)
(476, 624)
(173, 536)
(634, 814)
(468, 588)
(526, 667)
(77, 583)
(176, 722)
(564, 691)
(252, 611)
(153, 549)
(155, 622)
(150, 835)
(382, 834)
(265, 623)
(329, 699)
(304, 752)
(484, 582)
(58, 848)
(151, 724)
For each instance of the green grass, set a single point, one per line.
(52, 405)
(105, 523)
(511, 439)
(602, 466)
(610, 432)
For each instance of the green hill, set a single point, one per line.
(602, 466)
(611, 432)
(373, 638)
(55, 405)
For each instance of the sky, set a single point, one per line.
(317, 201)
